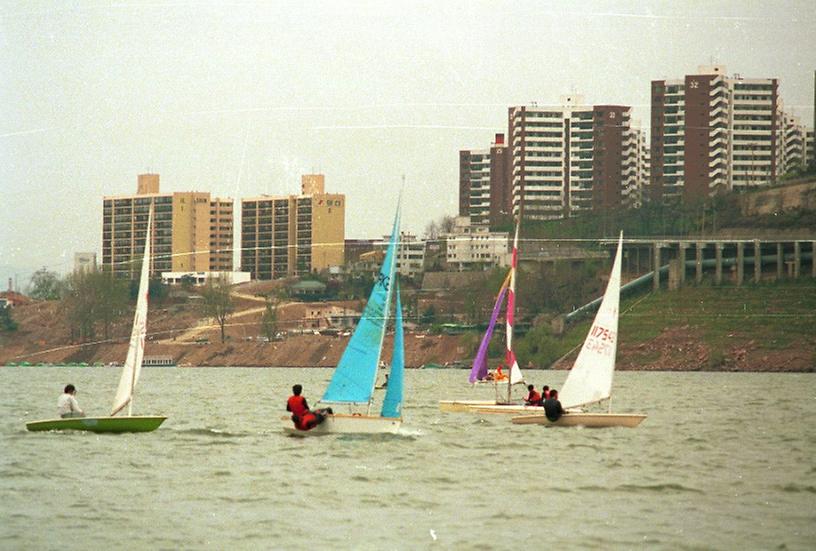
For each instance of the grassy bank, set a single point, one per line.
(767, 327)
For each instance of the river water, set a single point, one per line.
(724, 461)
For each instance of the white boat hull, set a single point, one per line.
(347, 424)
(509, 409)
(589, 420)
(464, 406)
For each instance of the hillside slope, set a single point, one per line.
(767, 327)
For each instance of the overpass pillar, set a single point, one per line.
(740, 264)
(718, 248)
(780, 261)
(813, 258)
(656, 277)
(797, 258)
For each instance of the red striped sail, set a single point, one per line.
(510, 356)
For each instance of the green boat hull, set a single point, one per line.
(100, 424)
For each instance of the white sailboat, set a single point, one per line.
(353, 381)
(590, 379)
(130, 372)
(479, 370)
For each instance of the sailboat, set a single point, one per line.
(130, 372)
(352, 383)
(590, 379)
(479, 370)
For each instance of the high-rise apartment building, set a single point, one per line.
(793, 137)
(485, 191)
(712, 133)
(191, 231)
(644, 165)
(572, 158)
(293, 234)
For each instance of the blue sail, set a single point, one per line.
(392, 405)
(354, 377)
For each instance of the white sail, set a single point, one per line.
(590, 379)
(133, 363)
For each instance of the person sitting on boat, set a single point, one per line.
(552, 407)
(498, 375)
(67, 405)
(302, 416)
(533, 398)
(545, 393)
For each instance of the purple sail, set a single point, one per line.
(479, 370)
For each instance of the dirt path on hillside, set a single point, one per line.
(207, 324)
(189, 336)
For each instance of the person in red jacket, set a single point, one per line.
(302, 416)
(533, 397)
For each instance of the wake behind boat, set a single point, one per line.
(130, 372)
(590, 379)
(354, 378)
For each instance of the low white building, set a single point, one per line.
(410, 255)
(475, 247)
(200, 278)
(84, 262)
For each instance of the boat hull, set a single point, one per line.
(588, 420)
(465, 406)
(347, 424)
(99, 424)
(509, 409)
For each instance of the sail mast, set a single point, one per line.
(354, 378)
(395, 236)
(510, 357)
(590, 379)
(133, 363)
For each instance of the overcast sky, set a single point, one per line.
(241, 98)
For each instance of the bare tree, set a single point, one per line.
(435, 228)
(217, 301)
(447, 223)
(90, 297)
(431, 230)
(269, 321)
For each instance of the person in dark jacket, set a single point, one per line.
(552, 407)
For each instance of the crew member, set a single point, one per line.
(67, 405)
(552, 407)
(302, 416)
(533, 398)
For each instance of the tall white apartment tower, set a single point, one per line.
(571, 158)
(712, 133)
